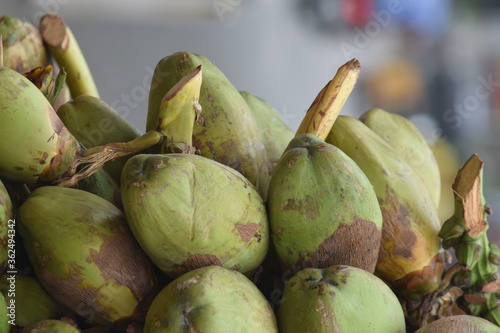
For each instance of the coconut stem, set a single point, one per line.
(59, 85)
(63, 45)
(179, 109)
(94, 158)
(43, 79)
(326, 107)
(466, 231)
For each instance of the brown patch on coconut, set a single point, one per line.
(194, 262)
(356, 244)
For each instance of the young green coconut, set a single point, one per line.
(85, 256)
(188, 211)
(31, 301)
(210, 299)
(38, 147)
(321, 205)
(22, 43)
(339, 299)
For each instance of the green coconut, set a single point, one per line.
(84, 254)
(210, 299)
(339, 299)
(23, 47)
(323, 210)
(33, 303)
(37, 147)
(188, 211)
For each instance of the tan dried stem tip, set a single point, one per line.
(63, 46)
(468, 190)
(326, 107)
(53, 31)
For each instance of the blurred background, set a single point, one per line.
(435, 62)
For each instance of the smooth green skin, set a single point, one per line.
(83, 253)
(32, 132)
(339, 299)
(102, 184)
(4, 319)
(315, 190)
(180, 205)
(6, 214)
(411, 223)
(33, 303)
(227, 131)
(409, 144)
(275, 135)
(23, 47)
(210, 299)
(95, 123)
(51, 326)
(460, 324)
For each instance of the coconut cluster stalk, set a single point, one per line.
(466, 233)
(326, 107)
(95, 123)
(63, 45)
(179, 110)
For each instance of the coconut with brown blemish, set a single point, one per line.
(410, 258)
(409, 143)
(85, 256)
(339, 299)
(23, 47)
(38, 147)
(211, 299)
(188, 211)
(322, 208)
